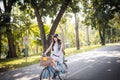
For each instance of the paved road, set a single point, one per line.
(98, 64)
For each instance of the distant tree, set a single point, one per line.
(77, 32)
(101, 11)
(87, 36)
(74, 9)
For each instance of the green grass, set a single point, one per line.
(70, 51)
(18, 62)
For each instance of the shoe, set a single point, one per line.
(54, 76)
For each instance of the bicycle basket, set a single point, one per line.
(45, 61)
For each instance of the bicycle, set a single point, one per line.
(49, 72)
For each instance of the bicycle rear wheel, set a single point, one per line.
(63, 71)
(45, 74)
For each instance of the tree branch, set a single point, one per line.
(40, 24)
(58, 18)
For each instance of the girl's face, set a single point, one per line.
(55, 39)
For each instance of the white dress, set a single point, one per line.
(55, 55)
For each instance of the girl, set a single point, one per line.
(57, 53)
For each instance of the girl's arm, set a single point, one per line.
(48, 49)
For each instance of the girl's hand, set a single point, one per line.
(44, 54)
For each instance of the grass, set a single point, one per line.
(21, 62)
(70, 51)
(18, 62)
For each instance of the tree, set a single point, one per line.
(0, 43)
(6, 22)
(87, 36)
(101, 11)
(0, 35)
(113, 32)
(15, 23)
(62, 27)
(20, 26)
(75, 9)
(77, 32)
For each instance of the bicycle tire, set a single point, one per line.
(64, 72)
(45, 74)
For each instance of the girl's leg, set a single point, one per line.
(54, 64)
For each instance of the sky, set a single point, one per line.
(1, 5)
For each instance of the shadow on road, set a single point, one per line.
(100, 64)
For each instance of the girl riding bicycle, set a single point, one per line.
(57, 53)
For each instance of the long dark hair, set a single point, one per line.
(58, 40)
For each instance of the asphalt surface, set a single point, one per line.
(99, 64)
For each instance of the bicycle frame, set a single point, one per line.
(51, 69)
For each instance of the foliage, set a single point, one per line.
(99, 13)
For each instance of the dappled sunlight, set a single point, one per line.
(22, 74)
(26, 73)
(109, 70)
(93, 56)
(90, 60)
(118, 61)
(109, 62)
(30, 77)
(17, 74)
(96, 54)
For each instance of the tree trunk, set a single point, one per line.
(102, 35)
(36, 48)
(103, 40)
(57, 20)
(40, 24)
(8, 7)
(0, 45)
(63, 36)
(12, 49)
(111, 33)
(87, 36)
(77, 32)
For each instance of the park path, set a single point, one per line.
(99, 64)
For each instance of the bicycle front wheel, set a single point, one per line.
(45, 74)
